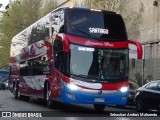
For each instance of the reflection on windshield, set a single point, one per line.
(98, 64)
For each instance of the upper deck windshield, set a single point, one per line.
(98, 65)
(105, 26)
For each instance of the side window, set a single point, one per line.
(24, 68)
(46, 67)
(41, 66)
(30, 67)
(38, 66)
(152, 86)
(59, 56)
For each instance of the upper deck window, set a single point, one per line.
(104, 26)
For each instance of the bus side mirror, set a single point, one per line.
(135, 50)
(61, 37)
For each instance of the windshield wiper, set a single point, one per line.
(87, 77)
(90, 36)
(83, 76)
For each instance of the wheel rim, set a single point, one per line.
(14, 90)
(48, 95)
(19, 94)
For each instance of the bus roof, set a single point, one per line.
(77, 8)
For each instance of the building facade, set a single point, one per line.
(149, 68)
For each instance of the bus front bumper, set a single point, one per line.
(85, 96)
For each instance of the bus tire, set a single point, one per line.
(47, 96)
(4, 87)
(26, 98)
(99, 108)
(140, 106)
(120, 106)
(17, 93)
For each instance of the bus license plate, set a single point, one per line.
(99, 100)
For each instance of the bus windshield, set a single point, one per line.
(99, 65)
(104, 26)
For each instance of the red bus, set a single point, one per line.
(73, 55)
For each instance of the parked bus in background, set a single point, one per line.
(4, 74)
(64, 57)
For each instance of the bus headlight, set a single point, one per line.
(72, 86)
(123, 89)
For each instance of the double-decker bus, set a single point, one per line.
(64, 57)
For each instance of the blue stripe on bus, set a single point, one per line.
(84, 98)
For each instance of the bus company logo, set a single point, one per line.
(100, 92)
(108, 44)
(93, 43)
